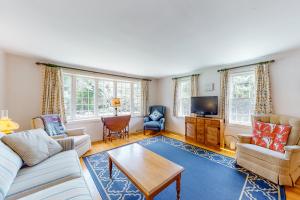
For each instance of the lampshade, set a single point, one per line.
(116, 102)
(7, 125)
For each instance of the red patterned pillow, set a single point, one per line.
(263, 134)
(282, 133)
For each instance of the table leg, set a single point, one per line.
(103, 135)
(148, 197)
(110, 166)
(178, 186)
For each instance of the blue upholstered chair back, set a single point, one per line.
(159, 108)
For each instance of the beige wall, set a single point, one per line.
(24, 92)
(24, 87)
(285, 80)
(21, 85)
(2, 80)
(165, 95)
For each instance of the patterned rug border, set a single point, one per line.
(154, 137)
(146, 141)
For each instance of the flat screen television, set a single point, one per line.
(206, 105)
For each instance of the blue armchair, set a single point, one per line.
(155, 125)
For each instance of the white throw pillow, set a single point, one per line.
(33, 146)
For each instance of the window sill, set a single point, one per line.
(95, 119)
(180, 117)
(239, 125)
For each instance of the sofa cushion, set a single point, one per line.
(294, 137)
(263, 134)
(33, 146)
(155, 115)
(74, 189)
(152, 124)
(282, 133)
(10, 163)
(270, 156)
(53, 125)
(56, 169)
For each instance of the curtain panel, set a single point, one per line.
(223, 110)
(175, 97)
(263, 102)
(195, 85)
(53, 100)
(145, 97)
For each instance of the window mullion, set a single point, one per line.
(115, 89)
(96, 110)
(131, 96)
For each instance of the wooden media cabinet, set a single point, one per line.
(204, 130)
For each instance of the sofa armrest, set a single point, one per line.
(162, 123)
(292, 148)
(146, 119)
(244, 138)
(292, 151)
(66, 143)
(75, 131)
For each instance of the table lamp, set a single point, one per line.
(116, 102)
(7, 125)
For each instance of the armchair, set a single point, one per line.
(81, 140)
(280, 168)
(155, 125)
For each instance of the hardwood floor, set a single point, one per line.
(291, 193)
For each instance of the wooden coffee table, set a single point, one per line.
(149, 172)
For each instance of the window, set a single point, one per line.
(90, 97)
(137, 98)
(124, 93)
(241, 97)
(105, 95)
(85, 97)
(184, 97)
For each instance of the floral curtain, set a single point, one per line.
(175, 97)
(145, 97)
(223, 96)
(53, 100)
(263, 103)
(195, 85)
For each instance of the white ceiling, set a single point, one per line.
(152, 38)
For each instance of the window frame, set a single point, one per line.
(96, 79)
(94, 110)
(180, 98)
(232, 73)
(97, 94)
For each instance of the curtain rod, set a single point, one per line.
(264, 62)
(85, 70)
(185, 76)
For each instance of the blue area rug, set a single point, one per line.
(207, 176)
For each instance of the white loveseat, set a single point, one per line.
(280, 168)
(59, 177)
(82, 141)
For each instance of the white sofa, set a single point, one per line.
(280, 168)
(82, 140)
(59, 177)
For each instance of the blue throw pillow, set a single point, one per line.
(53, 125)
(155, 115)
